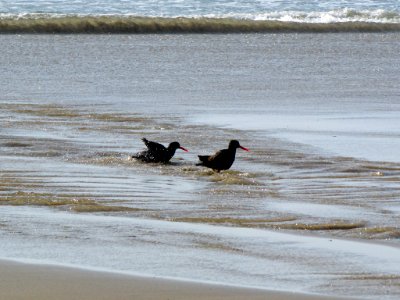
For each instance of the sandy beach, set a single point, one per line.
(29, 281)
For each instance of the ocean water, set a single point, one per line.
(322, 11)
(313, 207)
(191, 16)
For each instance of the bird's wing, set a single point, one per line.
(217, 155)
(153, 146)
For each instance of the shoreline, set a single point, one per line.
(368, 253)
(21, 280)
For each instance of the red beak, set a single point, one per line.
(245, 149)
(186, 150)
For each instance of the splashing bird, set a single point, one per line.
(156, 152)
(223, 159)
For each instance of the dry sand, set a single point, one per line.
(41, 282)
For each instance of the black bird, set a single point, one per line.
(223, 159)
(157, 153)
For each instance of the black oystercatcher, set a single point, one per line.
(156, 152)
(223, 159)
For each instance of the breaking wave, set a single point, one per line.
(39, 23)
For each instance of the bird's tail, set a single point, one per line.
(203, 159)
(134, 156)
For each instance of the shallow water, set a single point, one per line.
(74, 107)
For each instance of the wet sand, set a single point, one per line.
(29, 281)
